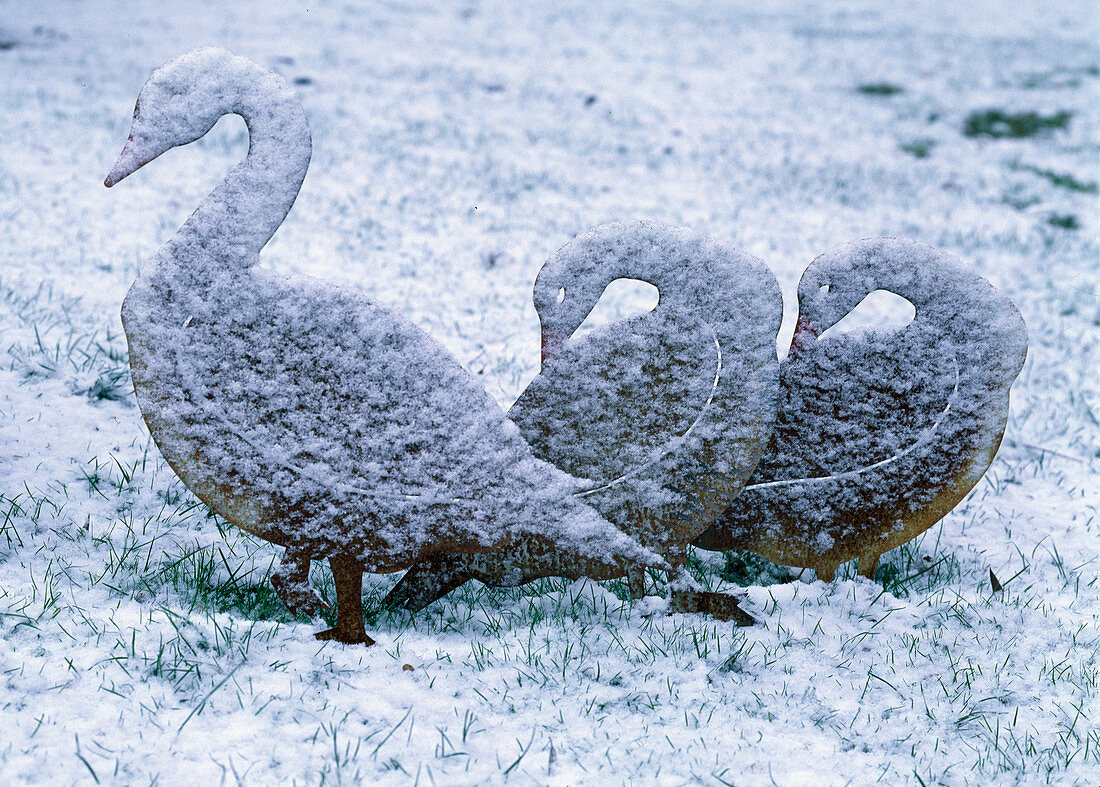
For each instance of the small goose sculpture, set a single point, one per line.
(666, 412)
(879, 434)
(307, 414)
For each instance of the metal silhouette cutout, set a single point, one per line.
(666, 412)
(307, 414)
(330, 425)
(879, 434)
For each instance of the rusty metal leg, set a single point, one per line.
(868, 564)
(428, 580)
(291, 583)
(686, 596)
(350, 628)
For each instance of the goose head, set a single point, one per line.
(838, 280)
(696, 276)
(564, 296)
(981, 324)
(573, 280)
(830, 288)
(177, 106)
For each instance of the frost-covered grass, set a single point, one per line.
(455, 149)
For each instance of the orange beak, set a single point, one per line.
(134, 156)
(805, 334)
(552, 342)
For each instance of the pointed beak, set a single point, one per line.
(551, 345)
(805, 333)
(135, 155)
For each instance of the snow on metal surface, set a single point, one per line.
(879, 434)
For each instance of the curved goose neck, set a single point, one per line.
(234, 222)
(978, 322)
(695, 275)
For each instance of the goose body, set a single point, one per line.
(878, 435)
(307, 414)
(666, 413)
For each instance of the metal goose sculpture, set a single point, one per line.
(880, 434)
(307, 414)
(666, 413)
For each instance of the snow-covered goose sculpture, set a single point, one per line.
(666, 412)
(879, 434)
(307, 414)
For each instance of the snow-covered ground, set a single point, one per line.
(456, 146)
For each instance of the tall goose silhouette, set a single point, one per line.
(666, 412)
(878, 435)
(307, 414)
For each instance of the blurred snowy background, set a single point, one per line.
(456, 146)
